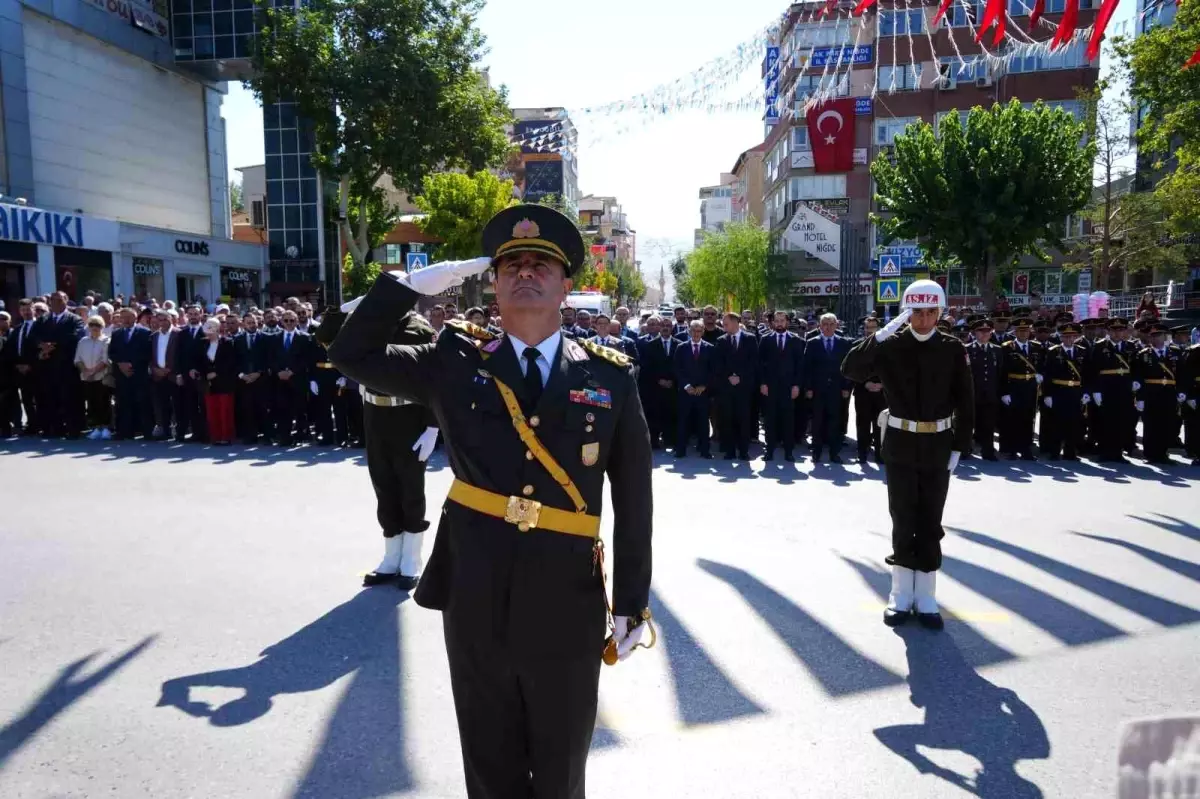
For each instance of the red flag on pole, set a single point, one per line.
(1106, 12)
(941, 12)
(828, 7)
(1039, 8)
(831, 132)
(862, 6)
(1194, 60)
(1066, 26)
(993, 12)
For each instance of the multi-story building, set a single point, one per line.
(604, 220)
(547, 163)
(113, 167)
(915, 73)
(747, 202)
(716, 206)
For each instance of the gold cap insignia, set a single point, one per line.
(526, 229)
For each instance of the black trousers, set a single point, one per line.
(779, 418)
(190, 414)
(661, 416)
(10, 408)
(916, 498)
(693, 420)
(321, 407)
(289, 398)
(97, 399)
(734, 418)
(348, 416)
(801, 414)
(525, 725)
(1191, 430)
(163, 394)
(1062, 426)
(1160, 421)
(254, 409)
(396, 475)
(1016, 425)
(867, 407)
(826, 424)
(985, 427)
(133, 405)
(1116, 423)
(27, 388)
(59, 400)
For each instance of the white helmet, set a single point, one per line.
(923, 294)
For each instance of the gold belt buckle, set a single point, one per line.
(524, 513)
(926, 427)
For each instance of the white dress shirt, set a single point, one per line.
(546, 349)
(160, 356)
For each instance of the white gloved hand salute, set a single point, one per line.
(1085, 399)
(1097, 398)
(891, 327)
(436, 278)
(1141, 406)
(425, 443)
(1006, 399)
(1048, 402)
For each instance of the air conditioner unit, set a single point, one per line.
(947, 77)
(983, 81)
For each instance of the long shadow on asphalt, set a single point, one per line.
(965, 713)
(1172, 524)
(838, 667)
(1073, 471)
(1185, 568)
(1157, 609)
(361, 753)
(66, 689)
(703, 693)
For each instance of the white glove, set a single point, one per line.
(1192, 404)
(312, 386)
(1039, 379)
(891, 327)
(1006, 399)
(350, 305)
(425, 442)
(1085, 399)
(626, 635)
(1181, 397)
(436, 278)
(1137, 386)
(1048, 402)
(340, 382)
(954, 456)
(1141, 406)
(1096, 398)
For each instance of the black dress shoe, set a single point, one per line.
(706, 455)
(894, 618)
(745, 456)
(1029, 457)
(728, 456)
(931, 621)
(406, 583)
(835, 459)
(768, 456)
(379, 578)
(991, 456)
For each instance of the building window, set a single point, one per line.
(887, 129)
(808, 36)
(901, 22)
(393, 253)
(816, 187)
(960, 16)
(811, 84)
(967, 71)
(148, 278)
(257, 217)
(900, 78)
(1018, 8)
(1072, 56)
(800, 138)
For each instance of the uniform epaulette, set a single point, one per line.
(1053, 347)
(1007, 342)
(607, 353)
(472, 330)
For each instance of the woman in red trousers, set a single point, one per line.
(220, 369)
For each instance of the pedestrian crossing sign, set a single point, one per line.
(889, 267)
(887, 291)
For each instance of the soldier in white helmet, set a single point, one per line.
(927, 380)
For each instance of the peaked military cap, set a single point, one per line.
(945, 325)
(983, 323)
(1142, 325)
(1180, 329)
(1070, 327)
(1118, 323)
(1065, 316)
(1025, 323)
(1158, 327)
(534, 228)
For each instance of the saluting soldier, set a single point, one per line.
(930, 408)
(1157, 391)
(1064, 396)
(1109, 380)
(533, 421)
(1020, 377)
(986, 360)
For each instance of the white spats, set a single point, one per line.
(392, 553)
(926, 584)
(411, 561)
(901, 597)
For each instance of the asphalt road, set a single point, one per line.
(180, 621)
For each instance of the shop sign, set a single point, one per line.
(150, 267)
(190, 247)
(35, 226)
(150, 17)
(818, 287)
(237, 275)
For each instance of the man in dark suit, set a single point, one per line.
(251, 350)
(869, 402)
(658, 377)
(290, 362)
(189, 411)
(10, 403)
(737, 371)
(164, 345)
(781, 370)
(129, 351)
(24, 355)
(695, 375)
(60, 396)
(826, 387)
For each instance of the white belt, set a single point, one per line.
(939, 426)
(382, 400)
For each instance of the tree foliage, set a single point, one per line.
(987, 195)
(457, 207)
(357, 278)
(384, 86)
(631, 286)
(679, 276)
(236, 201)
(731, 268)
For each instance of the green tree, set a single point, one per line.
(386, 87)
(683, 286)
(631, 286)
(987, 195)
(457, 207)
(236, 201)
(357, 278)
(732, 268)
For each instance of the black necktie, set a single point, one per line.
(533, 376)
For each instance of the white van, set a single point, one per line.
(593, 302)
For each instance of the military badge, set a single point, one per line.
(526, 229)
(590, 454)
(599, 397)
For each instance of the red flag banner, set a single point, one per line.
(1106, 12)
(862, 6)
(1039, 8)
(831, 132)
(1066, 26)
(1194, 60)
(941, 12)
(993, 12)
(828, 7)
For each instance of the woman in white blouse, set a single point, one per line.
(220, 372)
(91, 359)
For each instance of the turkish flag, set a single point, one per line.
(831, 132)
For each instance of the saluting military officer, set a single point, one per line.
(1065, 397)
(930, 417)
(1110, 382)
(533, 421)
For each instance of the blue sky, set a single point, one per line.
(576, 55)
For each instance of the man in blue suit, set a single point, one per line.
(656, 380)
(737, 359)
(826, 387)
(780, 376)
(695, 374)
(129, 350)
